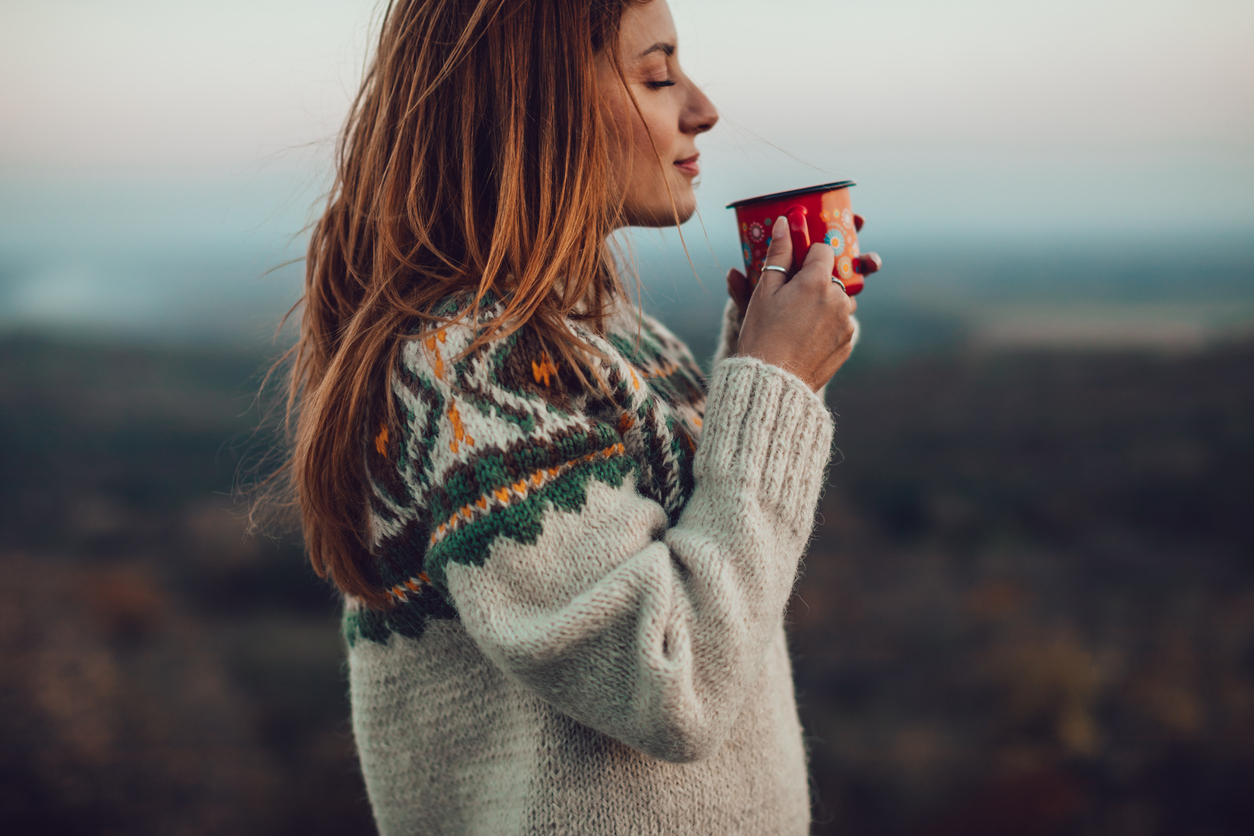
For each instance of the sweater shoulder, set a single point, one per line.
(487, 442)
(484, 443)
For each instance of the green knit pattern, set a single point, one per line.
(487, 445)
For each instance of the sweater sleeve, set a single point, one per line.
(646, 626)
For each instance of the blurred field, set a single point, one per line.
(1029, 608)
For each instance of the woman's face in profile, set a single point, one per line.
(672, 110)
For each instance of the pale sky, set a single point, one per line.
(91, 83)
(157, 157)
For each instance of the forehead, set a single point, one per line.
(646, 25)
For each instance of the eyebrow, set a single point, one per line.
(669, 49)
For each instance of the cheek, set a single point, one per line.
(642, 146)
(631, 140)
(652, 138)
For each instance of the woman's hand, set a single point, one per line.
(739, 289)
(800, 323)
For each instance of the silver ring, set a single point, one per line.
(775, 267)
(842, 285)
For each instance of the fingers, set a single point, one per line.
(819, 260)
(868, 264)
(739, 289)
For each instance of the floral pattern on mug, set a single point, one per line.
(835, 240)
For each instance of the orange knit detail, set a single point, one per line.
(381, 440)
(626, 422)
(544, 370)
(459, 429)
(438, 365)
(413, 586)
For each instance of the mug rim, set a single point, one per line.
(825, 187)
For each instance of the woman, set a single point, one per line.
(565, 555)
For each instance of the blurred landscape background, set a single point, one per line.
(1029, 604)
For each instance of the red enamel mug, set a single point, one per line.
(818, 213)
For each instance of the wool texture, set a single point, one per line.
(588, 589)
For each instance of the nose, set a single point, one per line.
(699, 114)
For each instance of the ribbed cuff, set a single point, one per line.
(766, 431)
(729, 334)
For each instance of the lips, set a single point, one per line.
(689, 166)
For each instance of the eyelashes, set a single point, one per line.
(658, 85)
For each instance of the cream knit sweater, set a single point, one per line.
(587, 634)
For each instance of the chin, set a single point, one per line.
(663, 214)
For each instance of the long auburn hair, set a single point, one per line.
(476, 158)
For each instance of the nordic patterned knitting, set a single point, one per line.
(587, 632)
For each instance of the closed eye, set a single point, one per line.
(658, 85)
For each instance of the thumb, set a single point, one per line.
(778, 255)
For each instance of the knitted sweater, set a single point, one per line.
(589, 588)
